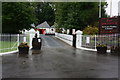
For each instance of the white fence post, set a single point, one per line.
(18, 39)
(81, 40)
(77, 41)
(56, 34)
(31, 36)
(68, 31)
(95, 41)
(24, 39)
(30, 41)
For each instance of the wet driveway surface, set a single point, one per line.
(59, 60)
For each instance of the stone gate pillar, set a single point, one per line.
(78, 38)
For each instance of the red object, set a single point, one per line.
(38, 29)
(42, 31)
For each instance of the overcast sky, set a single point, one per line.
(114, 7)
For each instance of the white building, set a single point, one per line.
(44, 28)
(119, 8)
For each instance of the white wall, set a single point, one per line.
(66, 38)
(69, 40)
(31, 31)
(119, 8)
(49, 30)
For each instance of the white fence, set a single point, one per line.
(66, 38)
(9, 42)
(89, 42)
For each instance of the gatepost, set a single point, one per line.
(74, 38)
(68, 31)
(79, 38)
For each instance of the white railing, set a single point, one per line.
(89, 42)
(111, 40)
(9, 42)
(66, 38)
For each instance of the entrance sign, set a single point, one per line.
(109, 25)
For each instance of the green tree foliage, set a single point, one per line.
(78, 15)
(17, 16)
(90, 30)
(45, 12)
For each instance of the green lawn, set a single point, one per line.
(7, 44)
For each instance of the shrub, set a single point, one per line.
(24, 44)
(90, 30)
(59, 30)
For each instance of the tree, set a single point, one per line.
(45, 12)
(77, 15)
(17, 16)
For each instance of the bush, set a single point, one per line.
(90, 30)
(59, 30)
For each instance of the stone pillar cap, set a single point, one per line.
(79, 32)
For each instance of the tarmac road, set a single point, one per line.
(59, 60)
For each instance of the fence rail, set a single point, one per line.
(88, 41)
(66, 38)
(91, 41)
(10, 42)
